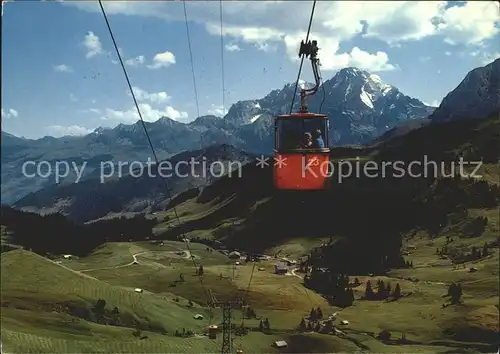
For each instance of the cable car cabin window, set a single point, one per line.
(296, 133)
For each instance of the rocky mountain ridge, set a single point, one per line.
(360, 106)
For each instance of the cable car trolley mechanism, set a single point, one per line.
(301, 152)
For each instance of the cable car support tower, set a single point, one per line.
(227, 307)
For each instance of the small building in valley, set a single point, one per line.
(280, 344)
(281, 268)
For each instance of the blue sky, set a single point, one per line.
(60, 73)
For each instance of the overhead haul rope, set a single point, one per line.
(323, 89)
(169, 195)
(191, 59)
(222, 61)
(302, 60)
(245, 298)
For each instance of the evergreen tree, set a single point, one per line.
(456, 294)
(267, 325)
(310, 326)
(317, 328)
(451, 289)
(350, 297)
(397, 291)
(369, 291)
(261, 326)
(381, 290)
(328, 327)
(99, 309)
(474, 252)
(485, 250)
(312, 315)
(200, 270)
(302, 325)
(387, 290)
(319, 313)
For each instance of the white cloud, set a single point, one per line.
(487, 58)
(161, 60)
(447, 53)
(92, 44)
(472, 23)
(139, 60)
(72, 130)
(434, 103)
(11, 113)
(217, 110)
(149, 114)
(73, 98)
(63, 68)
(330, 59)
(231, 47)
(371, 62)
(424, 59)
(267, 24)
(91, 110)
(154, 97)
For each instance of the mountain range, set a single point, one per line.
(361, 108)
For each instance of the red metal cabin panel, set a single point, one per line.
(308, 171)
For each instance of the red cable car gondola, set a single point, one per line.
(301, 152)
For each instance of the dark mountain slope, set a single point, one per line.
(93, 199)
(477, 96)
(383, 207)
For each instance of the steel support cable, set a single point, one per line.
(302, 60)
(222, 60)
(191, 59)
(169, 195)
(245, 299)
(323, 89)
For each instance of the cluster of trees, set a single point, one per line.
(112, 316)
(184, 333)
(385, 336)
(461, 256)
(100, 312)
(250, 313)
(264, 325)
(454, 293)
(55, 234)
(315, 326)
(314, 322)
(452, 196)
(475, 227)
(335, 287)
(383, 291)
(479, 253)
